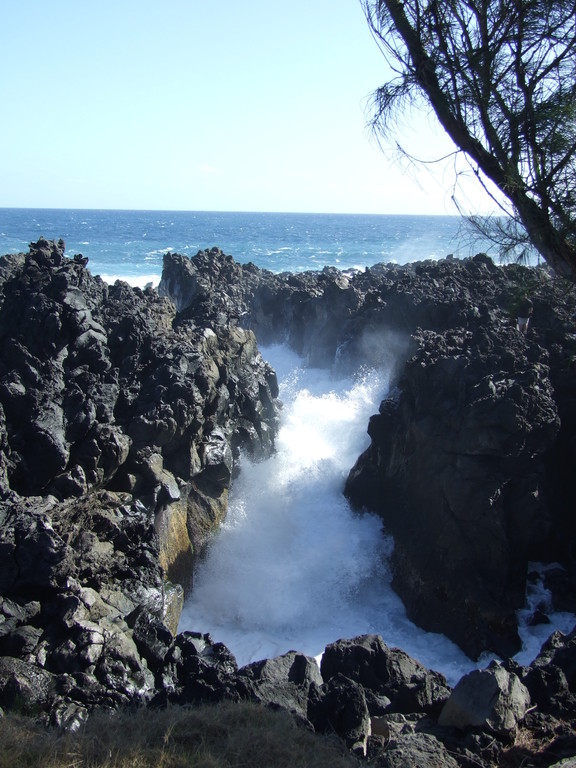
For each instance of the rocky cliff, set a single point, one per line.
(120, 432)
(124, 415)
(472, 454)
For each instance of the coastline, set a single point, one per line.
(125, 413)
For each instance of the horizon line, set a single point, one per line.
(214, 210)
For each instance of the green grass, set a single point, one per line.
(224, 736)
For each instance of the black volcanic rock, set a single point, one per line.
(120, 432)
(468, 463)
(392, 679)
(473, 420)
(123, 417)
(481, 417)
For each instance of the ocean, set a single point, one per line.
(293, 568)
(131, 244)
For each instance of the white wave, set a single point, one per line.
(159, 252)
(138, 281)
(293, 568)
(540, 598)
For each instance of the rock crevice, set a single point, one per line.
(124, 415)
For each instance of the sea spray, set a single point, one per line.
(539, 599)
(293, 568)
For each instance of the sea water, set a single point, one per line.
(131, 244)
(293, 568)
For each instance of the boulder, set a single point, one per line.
(391, 679)
(196, 670)
(493, 699)
(284, 681)
(24, 687)
(551, 677)
(418, 749)
(339, 706)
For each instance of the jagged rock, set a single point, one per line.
(122, 417)
(417, 749)
(68, 715)
(284, 681)
(392, 679)
(33, 558)
(551, 677)
(196, 670)
(493, 699)
(120, 430)
(25, 687)
(474, 419)
(481, 415)
(152, 638)
(339, 706)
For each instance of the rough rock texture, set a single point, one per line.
(474, 420)
(340, 706)
(122, 417)
(120, 431)
(391, 678)
(483, 417)
(492, 698)
(417, 749)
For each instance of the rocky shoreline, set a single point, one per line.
(124, 417)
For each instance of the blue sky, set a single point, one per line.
(199, 105)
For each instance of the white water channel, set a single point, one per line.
(293, 568)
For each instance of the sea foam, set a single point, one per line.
(293, 567)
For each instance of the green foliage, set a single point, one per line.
(501, 79)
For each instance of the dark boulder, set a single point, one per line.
(339, 706)
(284, 681)
(551, 677)
(391, 678)
(25, 687)
(197, 670)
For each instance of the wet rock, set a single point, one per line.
(483, 417)
(551, 677)
(474, 419)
